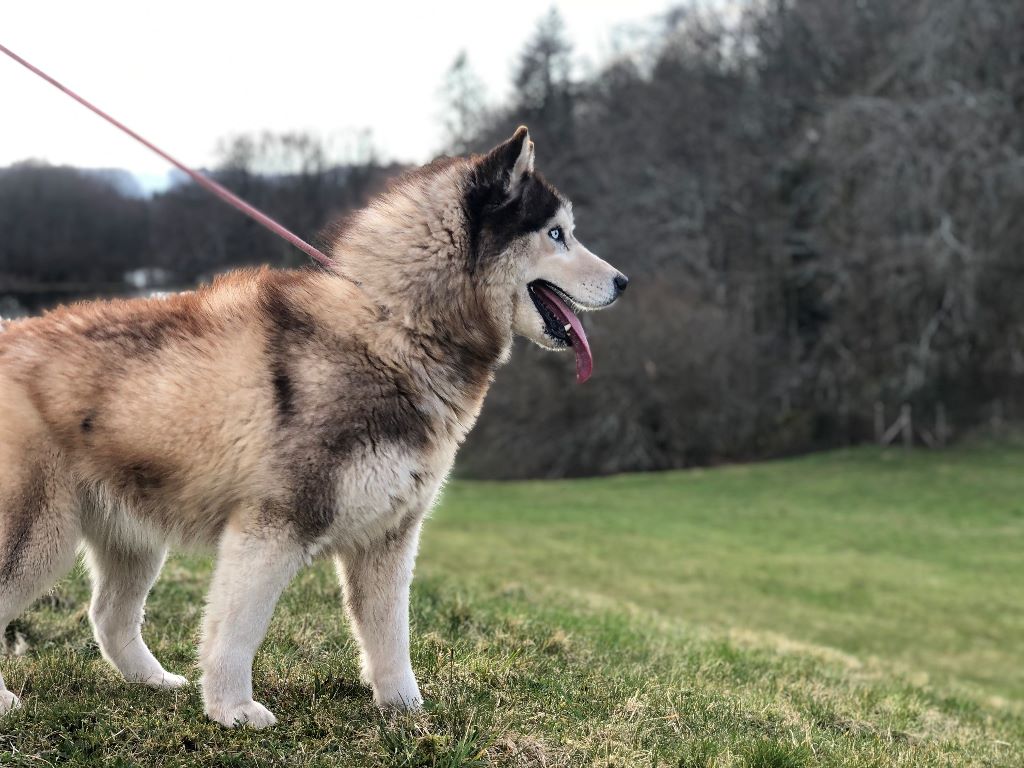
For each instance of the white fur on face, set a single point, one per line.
(584, 277)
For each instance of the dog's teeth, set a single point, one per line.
(568, 327)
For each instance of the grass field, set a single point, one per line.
(860, 608)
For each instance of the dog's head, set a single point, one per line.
(523, 228)
(478, 249)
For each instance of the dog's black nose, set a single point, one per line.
(621, 281)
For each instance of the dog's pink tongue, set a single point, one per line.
(580, 345)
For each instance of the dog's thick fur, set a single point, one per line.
(279, 417)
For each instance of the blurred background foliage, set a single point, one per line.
(820, 204)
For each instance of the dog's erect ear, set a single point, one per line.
(524, 159)
(509, 162)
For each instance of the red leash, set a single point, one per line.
(223, 193)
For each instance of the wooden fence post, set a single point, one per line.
(907, 426)
(879, 422)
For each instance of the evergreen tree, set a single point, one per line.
(543, 79)
(462, 94)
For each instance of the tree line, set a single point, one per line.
(68, 232)
(820, 205)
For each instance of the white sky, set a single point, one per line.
(186, 73)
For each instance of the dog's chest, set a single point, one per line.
(384, 490)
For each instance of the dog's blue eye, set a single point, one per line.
(555, 234)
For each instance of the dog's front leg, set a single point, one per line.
(376, 582)
(253, 568)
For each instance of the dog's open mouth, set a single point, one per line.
(561, 323)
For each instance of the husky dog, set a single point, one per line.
(283, 416)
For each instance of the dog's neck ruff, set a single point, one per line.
(208, 184)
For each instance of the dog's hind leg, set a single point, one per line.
(122, 576)
(39, 531)
(253, 568)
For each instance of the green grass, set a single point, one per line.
(860, 608)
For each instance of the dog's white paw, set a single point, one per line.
(251, 714)
(400, 693)
(166, 681)
(8, 701)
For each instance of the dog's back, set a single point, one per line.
(115, 398)
(173, 407)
